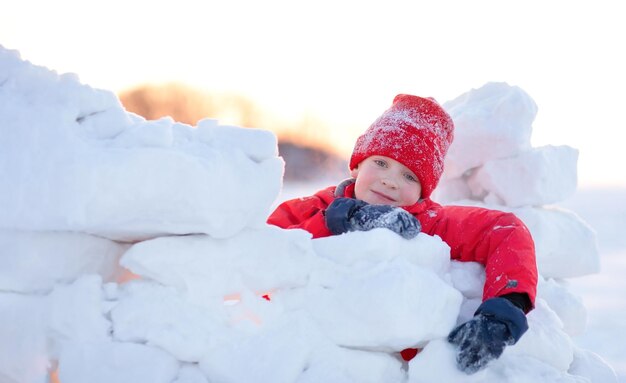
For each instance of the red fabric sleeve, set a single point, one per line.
(304, 213)
(500, 241)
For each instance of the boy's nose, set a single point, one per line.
(389, 183)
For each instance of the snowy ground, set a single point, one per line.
(604, 293)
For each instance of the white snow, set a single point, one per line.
(104, 362)
(538, 176)
(136, 251)
(492, 122)
(34, 261)
(75, 160)
(207, 268)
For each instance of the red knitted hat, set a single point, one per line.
(416, 132)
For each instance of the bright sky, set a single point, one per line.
(344, 61)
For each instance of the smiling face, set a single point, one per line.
(384, 181)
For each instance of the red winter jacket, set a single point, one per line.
(498, 240)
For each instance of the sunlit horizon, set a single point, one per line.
(343, 63)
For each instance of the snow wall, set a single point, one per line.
(137, 251)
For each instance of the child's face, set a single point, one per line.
(384, 181)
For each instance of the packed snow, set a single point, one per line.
(137, 251)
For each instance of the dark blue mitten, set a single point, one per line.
(339, 212)
(496, 324)
(393, 218)
(349, 214)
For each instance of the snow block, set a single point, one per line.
(369, 275)
(565, 304)
(338, 364)
(469, 279)
(36, 261)
(76, 313)
(545, 340)
(23, 345)
(106, 362)
(565, 245)
(275, 353)
(362, 249)
(206, 268)
(452, 189)
(387, 308)
(101, 170)
(539, 176)
(592, 367)
(257, 144)
(509, 367)
(157, 315)
(190, 373)
(438, 353)
(491, 122)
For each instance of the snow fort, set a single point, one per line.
(137, 251)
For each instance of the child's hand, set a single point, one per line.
(496, 324)
(339, 212)
(395, 219)
(348, 214)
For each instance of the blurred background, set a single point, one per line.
(318, 73)
(308, 159)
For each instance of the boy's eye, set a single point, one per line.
(410, 177)
(380, 163)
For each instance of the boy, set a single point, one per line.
(395, 166)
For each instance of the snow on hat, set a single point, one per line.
(414, 131)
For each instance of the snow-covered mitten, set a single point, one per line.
(496, 324)
(393, 218)
(348, 214)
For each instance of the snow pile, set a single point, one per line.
(75, 160)
(136, 251)
(491, 158)
(491, 163)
